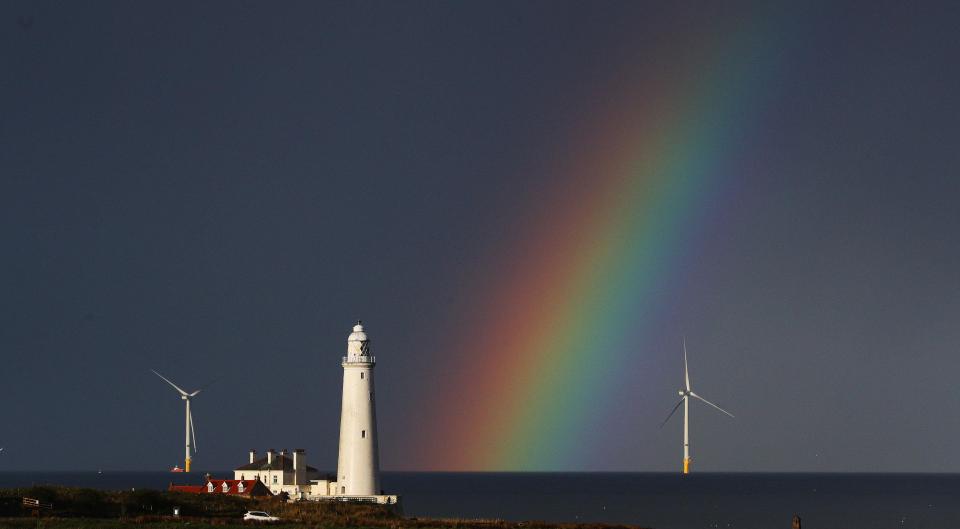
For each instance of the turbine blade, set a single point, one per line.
(208, 384)
(692, 394)
(686, 370)
(205, 386)
(674, 410)
(193, 433)
(176, 387)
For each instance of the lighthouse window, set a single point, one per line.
(363, 434)
(361, 376)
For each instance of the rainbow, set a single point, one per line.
(541, 360)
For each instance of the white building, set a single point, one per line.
(281, 472)
(358, 462)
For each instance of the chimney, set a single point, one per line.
(253, 455)
(270, 453)
(299, 467)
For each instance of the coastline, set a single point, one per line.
(661, 500)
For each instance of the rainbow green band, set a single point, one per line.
(559, 316)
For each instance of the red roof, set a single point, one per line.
(233, 487)
(193, 489)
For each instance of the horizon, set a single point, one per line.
(531, 472)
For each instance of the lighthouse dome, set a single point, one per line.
(357, 335)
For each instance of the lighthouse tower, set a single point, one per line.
(358, 464)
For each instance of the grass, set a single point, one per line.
(78, 508)
(100, 523)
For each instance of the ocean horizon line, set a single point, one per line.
(533, 472)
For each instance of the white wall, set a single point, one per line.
(358, 461)
(266, 476)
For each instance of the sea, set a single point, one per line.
(656, 500)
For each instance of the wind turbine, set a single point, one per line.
(685, 395)
(189, 424)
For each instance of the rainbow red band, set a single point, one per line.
(558, 318)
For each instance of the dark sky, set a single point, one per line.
(217, 191)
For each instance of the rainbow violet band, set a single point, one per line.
(559, 316)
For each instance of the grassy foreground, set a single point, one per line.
(78, 508)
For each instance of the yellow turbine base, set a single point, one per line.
(186, 465)
(686, 465)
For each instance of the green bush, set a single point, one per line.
(88, 503)
(41, 492)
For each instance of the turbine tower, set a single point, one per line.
(685, 395)
(189, 420)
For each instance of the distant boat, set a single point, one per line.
(176, 468)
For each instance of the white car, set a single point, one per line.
(260, 516)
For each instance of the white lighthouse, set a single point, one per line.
(358, 464)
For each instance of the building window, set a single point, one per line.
(209, 487)
(343, 490)
(274, 480)
(361, 375)
(225, 486)
(363, 434)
